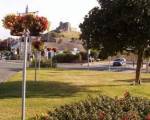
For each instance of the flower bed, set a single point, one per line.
(102, 108)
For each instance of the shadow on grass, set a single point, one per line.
(44, 89)
(53, 89)
(15, 69)
(144, 80)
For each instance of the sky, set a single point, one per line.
(72, 11)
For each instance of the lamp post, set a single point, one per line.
(26, 37)
(19, 27)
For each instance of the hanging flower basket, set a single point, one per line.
(49, 49)
(54, 49)
(38, 45)
(18, 23)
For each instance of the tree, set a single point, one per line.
(118, 25)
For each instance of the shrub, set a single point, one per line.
(94, 54)
(102, 108)
(67, 58)
(44, 63)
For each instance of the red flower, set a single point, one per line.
(17, 24)
(38, 45)
(126, 94)
(125, 118)
(147, 117)
(54, 49)
(102, 115)
(48, 49)
(9, 21)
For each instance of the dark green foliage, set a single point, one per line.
(94, 54)
(102, 108)
(67, 58)
(147, 53)
(116, 26)
(83, 55)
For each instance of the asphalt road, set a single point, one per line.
(7, 69)
(100, 66)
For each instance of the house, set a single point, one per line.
(66, 45)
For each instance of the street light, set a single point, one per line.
(26, 37)
(20, 28)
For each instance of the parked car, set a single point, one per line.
(119, 62)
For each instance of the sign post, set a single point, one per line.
(109, 63)
(89, 52)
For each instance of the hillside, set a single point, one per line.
(70, 35)
(63, 35)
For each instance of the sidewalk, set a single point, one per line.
(13, 61)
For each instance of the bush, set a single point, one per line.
(67, 58)
(44, 63)
(102, 108)
(94, 54)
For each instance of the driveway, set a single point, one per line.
(8, 69)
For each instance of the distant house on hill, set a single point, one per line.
(66, 45)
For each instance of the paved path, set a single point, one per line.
(8, 68)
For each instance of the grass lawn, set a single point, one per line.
(58, 87)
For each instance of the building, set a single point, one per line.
(64, 27)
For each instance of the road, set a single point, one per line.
(7, 69)
(100, 66)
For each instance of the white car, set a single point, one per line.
(119, 62)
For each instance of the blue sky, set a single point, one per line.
(72, 11)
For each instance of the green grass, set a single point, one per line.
(59, 87)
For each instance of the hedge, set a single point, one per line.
(67, 58)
